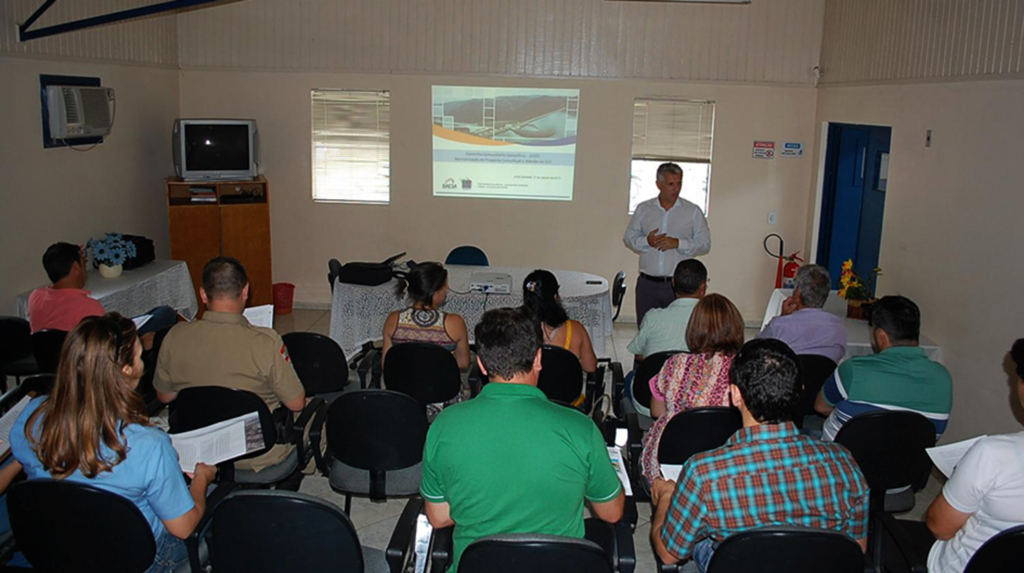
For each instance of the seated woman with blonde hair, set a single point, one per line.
(93, 429)
(696, 379)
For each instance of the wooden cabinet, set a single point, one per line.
(230, 218)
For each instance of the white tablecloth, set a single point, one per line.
(358, 312)
(858, 332)
(138, 291)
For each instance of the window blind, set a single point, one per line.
(351, 146)
(673, 130)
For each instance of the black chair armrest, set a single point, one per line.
(625, 552)
(397, 553)
(213, 500)
(618, 388)
(441, 552)
(475, 379)
(299, 428)
(368, 364)
(630, 513)
(665, 567)
(916, 562)
(316, 435)
(635, 450)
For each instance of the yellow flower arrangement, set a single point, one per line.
(853, 287)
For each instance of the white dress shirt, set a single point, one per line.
(684, 221)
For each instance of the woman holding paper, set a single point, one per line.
(93, 429)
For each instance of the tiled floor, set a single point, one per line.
(375, 521)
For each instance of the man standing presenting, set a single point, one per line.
(664, 231)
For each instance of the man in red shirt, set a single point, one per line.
(63, 304)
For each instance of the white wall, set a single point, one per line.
(585, 234)
(58, 194)
(952, 229)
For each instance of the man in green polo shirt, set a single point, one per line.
(510, 461)
(899, 376)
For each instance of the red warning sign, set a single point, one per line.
(764, 150)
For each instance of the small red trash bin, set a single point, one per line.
(284, 295)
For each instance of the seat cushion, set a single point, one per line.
(273, 474)
(348, 479)
(374, 561)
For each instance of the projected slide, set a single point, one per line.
(507, 143)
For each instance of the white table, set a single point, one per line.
(136, 292)
(858, 331)
(358, 312)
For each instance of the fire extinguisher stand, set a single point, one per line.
(787, 265)
(782, 249)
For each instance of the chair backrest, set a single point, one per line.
(145, 387)
(199, 407)
(561, 375)
(377, 430)
(40, 384)
(889, 447)
(814, 371)
(648, 369)
(536, 553)
(467, 255)
(787, 550)
(999, 552)
(277, 530)
(46, 346)
(618, 288)
(15, 339)
(69, 526)
(319, 362)
(426, 372)
(333, 270)
(695, 431)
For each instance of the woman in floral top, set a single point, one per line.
(696, 379)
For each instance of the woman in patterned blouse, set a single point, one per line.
(427, 286)
(696, 379)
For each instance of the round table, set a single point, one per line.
(358, 312)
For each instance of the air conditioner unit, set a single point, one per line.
(79, 111)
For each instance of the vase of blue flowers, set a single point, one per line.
(110, 253)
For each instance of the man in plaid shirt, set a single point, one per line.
(766, 474)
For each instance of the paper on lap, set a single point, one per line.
(7, 424)
(671, 471)
(947, 457)
(615, 454)
(142, 319)
(219, 442)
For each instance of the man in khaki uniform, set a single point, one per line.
(223, 349)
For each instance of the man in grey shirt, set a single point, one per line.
(803, 325)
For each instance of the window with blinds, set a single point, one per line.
(680, 131)
(351, 146)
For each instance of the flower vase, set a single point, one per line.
(110, 272)
(855, 309)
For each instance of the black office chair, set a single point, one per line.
(637, 410)
(467, 255)
(426, 372)
(648, 368)
(62, 525)
(695, 431)
(618, 293)
(561, 376)
(333, 270)
(375, 444)
(815, 370)
(257, 531)
(46, 347)
(203, 406)
(16, 358)
(787, 550)
(890, 448)
(1005, 548)
(319, 362)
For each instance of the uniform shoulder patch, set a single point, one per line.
(284, 353)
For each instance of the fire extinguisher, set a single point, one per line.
(787, 265)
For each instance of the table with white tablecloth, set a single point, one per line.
(858, 331)
(358, 312)
(136, 292)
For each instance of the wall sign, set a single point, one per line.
(792, 149)
(764, 150)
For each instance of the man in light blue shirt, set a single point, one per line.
(664, 329)
(803, 325)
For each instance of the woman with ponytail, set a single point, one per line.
(93, 429)
(540, 296)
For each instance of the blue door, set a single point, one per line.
(853, 200)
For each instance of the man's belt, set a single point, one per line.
(656, 279)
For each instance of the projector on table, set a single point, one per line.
(494, 283)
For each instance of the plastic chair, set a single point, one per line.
(695, 431)
(319, 362)
(814, 371)
(787, 550)
(467, 255)
(890, 448)
(375, 444)
(994, 555)
(46, 347)
(427, 372)
(618, 293)
(68, 526)
(333, 270)
(16, 357)
(269, 531)
(199, 407)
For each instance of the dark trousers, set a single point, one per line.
(651, 294)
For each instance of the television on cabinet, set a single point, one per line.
(215, 149)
